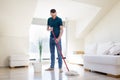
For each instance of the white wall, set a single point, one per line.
(73, 43)
(15, 20)
(108, 29)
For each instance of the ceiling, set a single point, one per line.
(72, 9)
(66, 9)
(106, 6)
(87, 13)
(100, 3)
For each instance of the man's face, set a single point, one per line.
(53, 15)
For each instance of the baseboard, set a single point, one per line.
(87, 70)
(115, 76)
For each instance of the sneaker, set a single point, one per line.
(49, 69)
(60, 70)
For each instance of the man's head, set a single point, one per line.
(53, 13)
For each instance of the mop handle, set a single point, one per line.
(58, 46)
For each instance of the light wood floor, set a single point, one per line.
(28, 74)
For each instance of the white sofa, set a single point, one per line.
(19, 60)
(103, 57)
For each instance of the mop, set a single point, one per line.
(68, 73)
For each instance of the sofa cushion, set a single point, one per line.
(19, 63)
(104, 48)
(114, 50)
(19, 57)
(117, 43)
(102, 59)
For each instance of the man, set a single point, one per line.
(55, 24)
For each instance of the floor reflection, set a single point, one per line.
(60, 76)
(29, 74)
(38, 76)
(56, 76)
(52, 73)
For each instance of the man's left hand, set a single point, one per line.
(57, 40)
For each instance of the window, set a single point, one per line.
(37, 33)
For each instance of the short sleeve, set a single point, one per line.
(48, 22)
(61, 23)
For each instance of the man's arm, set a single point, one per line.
(60, 35)
(61, 31)
(49, 28)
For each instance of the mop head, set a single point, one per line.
(71, 73)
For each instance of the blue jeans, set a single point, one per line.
(52, 51)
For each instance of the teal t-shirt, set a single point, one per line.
(55, 23)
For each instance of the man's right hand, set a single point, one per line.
(50, 28)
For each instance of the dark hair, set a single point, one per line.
(52, 11)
